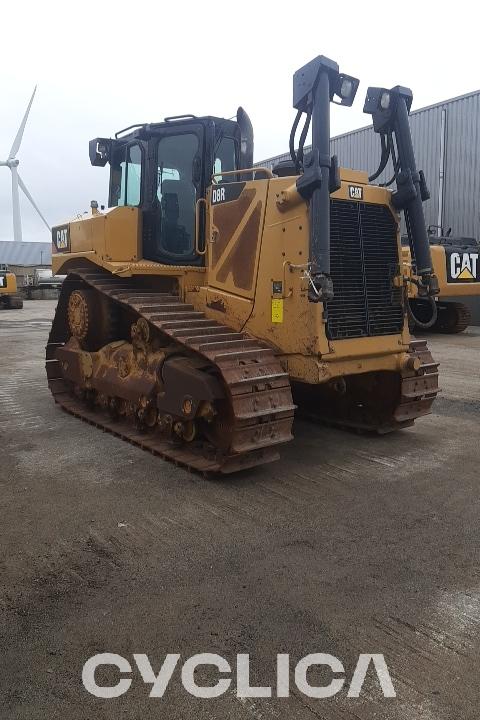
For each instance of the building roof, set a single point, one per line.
(25, 253)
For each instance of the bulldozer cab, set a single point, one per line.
(164, 169)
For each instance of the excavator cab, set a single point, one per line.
(9, 299)
(164, 169)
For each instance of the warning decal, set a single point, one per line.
(277, 310)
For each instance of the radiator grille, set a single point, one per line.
(364, 259)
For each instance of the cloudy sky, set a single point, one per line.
(101, 66)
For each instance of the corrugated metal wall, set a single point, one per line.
(360, 149)
(462, 187)
(25, 253)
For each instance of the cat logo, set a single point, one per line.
(462, 267)
(355, 192)
(61, 238)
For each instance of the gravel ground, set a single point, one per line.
(349, 545)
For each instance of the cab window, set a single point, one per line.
(126, 183)
(177, 193)
(225, 159)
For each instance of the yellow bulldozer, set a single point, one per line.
(9, 299)
(457, 267)
(211, 299)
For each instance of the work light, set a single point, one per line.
(346, 88)
(385, 100)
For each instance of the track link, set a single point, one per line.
(408, 400)
(419, 388)
(261, 409)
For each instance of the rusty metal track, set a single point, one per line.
(260, 413)
(419, 388)
(411, 399)
(261, 407)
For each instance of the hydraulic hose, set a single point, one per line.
(293, 132)
(419, 323)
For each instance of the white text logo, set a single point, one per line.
(224, 675)
(463, 266)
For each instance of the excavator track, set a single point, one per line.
(453, 318)
(257, 406)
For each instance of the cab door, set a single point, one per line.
(169, 223)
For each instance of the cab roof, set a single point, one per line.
(141, 129)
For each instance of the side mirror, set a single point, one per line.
(100, 151)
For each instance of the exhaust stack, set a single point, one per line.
(246, 139)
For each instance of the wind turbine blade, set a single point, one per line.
(25, 191)
(18, 138)
(17, 222)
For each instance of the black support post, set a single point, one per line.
(320, 200)
(314, 87)
(414, 215)
(390, 110)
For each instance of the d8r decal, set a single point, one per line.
(226, 193)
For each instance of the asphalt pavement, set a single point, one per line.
(350, 544)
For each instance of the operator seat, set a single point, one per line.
(170, 213)
(178, 209)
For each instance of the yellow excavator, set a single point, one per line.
(212, 298)
(9, 299)
(457, 267)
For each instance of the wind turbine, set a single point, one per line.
(17, 182)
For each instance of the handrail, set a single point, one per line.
(243, 171)
(197, 227)
(130, 127)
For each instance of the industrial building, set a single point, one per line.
(23, 257)
(25, 253)
(446, 137)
